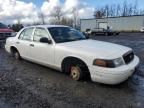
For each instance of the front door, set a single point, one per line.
(42, 52)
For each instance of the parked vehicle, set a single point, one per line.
(102, 31)
(66, 49)
(142, 29)
(5, 32)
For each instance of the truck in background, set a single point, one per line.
(5, 32)
(101, 31)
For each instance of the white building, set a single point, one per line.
(130, 23)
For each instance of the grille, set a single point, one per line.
(3, 36)
(128, 57)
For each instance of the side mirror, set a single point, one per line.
(45, 40)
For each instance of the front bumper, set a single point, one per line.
(7, 48)
(113, 75)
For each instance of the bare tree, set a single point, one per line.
(141, 12)
(18, 26)
(67, 21)
(75, 17)
(114, 10)
(107, 10)
(41, 17)
(18, 20)
(124, 9)
(130, 10)
(118, 10)
(135, 8)
(57, 14)
(99, 13)
(127, 9)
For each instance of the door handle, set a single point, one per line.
(17, 42)
(32, 45)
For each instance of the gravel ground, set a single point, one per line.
(27, 85)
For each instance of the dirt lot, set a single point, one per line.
(27, 85)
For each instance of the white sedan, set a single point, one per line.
(66, 49)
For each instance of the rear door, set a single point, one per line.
(42, 52)
(23, 42)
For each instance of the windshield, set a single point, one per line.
(2, 26)
(65, 34)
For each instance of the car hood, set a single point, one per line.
(96, 48)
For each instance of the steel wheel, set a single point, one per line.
(75, 73)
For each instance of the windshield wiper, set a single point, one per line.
(71, 40)
(78, 39)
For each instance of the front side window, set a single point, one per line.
(65, 34)
(26, 34)
(39, 33)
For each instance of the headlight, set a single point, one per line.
(118, 62)
(108, 63)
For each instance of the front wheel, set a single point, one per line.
(76, 73)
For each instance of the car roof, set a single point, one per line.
(47, 26)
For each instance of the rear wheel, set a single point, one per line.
(17, 55)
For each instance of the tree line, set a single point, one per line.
(59, 17)
(116, 10)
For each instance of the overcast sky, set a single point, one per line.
(26, 10)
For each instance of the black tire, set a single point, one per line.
(15, 54)
(106, 34)
(114, 34)
(93, 34)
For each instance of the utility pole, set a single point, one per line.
(107, 18)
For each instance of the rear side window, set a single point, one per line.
(39, 33)
(26, 34)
